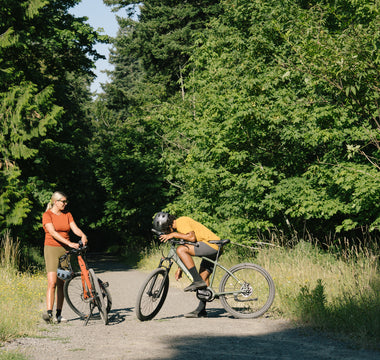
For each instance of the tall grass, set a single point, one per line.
(314, 287)
(20, 294)
(336, 294)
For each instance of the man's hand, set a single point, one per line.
(178, 274)
(164, 238)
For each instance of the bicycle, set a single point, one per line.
(246, 290)
(83, 290)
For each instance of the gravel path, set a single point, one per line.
(172, 336)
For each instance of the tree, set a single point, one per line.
(46, 61)
(269, 118)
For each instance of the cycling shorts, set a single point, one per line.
(52, 255)
(205, 250)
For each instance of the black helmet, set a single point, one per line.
(162, 221)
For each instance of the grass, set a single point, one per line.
(11, 355)
(21, 295)
(314, 287)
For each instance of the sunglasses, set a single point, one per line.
(63, 201)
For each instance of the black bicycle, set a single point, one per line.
(246, 290)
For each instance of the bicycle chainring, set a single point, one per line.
(205, 294)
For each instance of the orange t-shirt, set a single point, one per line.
(61, 224)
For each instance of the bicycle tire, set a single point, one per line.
(73, 292)
(106, 295)
(150, 299)
(99, 301)
(259, 291)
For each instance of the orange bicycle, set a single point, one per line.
(83, 290)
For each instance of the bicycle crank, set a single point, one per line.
(205, 294)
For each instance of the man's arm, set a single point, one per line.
(190, 236)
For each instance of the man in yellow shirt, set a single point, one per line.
(190, 230)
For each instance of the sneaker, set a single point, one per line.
(196, 314)
(196, 285)
(60, 319)
(47, 317)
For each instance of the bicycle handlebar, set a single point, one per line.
(81, 249)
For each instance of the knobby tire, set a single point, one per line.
(152, 294)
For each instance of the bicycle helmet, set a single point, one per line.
(63, 274)
(162, 221)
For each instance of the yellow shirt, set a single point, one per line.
(185, 225)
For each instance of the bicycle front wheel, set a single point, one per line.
(250, 291)
(152, 294)
(99, 300)
(106, 295)
(76, 297)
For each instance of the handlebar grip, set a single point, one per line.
(158, 233)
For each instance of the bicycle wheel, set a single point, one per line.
(99, 300)
(152, 294)
(106, 295)
(254, 291)
(73, 292)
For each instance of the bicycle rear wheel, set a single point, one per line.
(73, 292)
(152, 294)
(99, 301)
(252, 291)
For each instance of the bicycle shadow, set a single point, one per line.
(211, 313)
(115, 316)
(118, 316)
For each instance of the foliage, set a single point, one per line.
(246, 115)
(261, 137)
(46, 57)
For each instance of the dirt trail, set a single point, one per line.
(172, 336)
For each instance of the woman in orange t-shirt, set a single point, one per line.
(57, 224)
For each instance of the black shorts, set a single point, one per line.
(205, 250)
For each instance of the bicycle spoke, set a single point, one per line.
(78, 301)
(152, 295)
(252, 291)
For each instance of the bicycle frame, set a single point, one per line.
(173, 257)
(88, 292)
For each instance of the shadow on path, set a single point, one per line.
(284, 345)
(103, 262)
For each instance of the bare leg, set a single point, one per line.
(186, 253)
(50, 294)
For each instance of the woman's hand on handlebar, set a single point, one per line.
(84, 240)
(74, 245)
